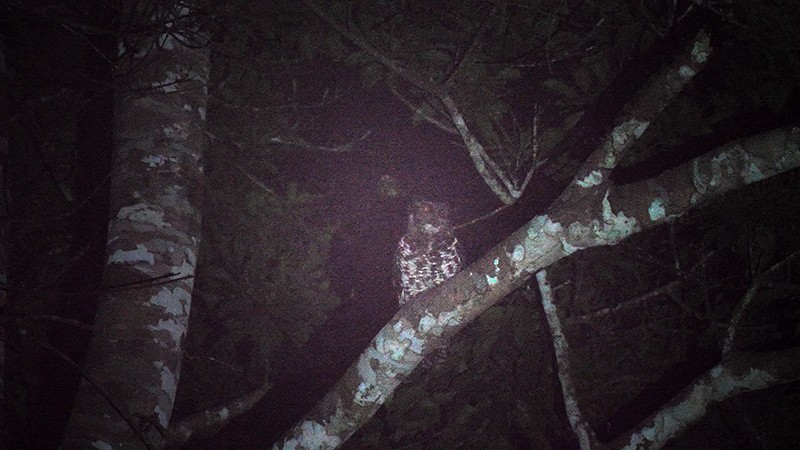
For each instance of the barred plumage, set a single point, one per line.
(428, 253)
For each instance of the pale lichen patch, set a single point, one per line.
(409, 340)
(751, 168)
(540, 235)
(177, 131)
(430, 324)
(620, 137)
(140, 254)
(367, 391)
(173, 327)
(102, 445)
(686, 71)
(656, 209)
(518, 254)
(491, 280)
(143, 213)
(154, 161)
(313, 436)
(700, 51)
(592, 179)
(616, 226)
(173, 301)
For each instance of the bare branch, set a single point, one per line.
(302, 143)
(417, 110)
(740, 372)
(480, 158)
(483, 217)
(181, 431)
(756, 285)
(586, 436)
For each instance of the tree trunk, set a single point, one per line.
(133, 365)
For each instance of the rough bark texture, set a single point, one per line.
(133, 365)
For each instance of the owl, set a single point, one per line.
(428, 253)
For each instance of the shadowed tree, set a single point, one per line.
(132, 369)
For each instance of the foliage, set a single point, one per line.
(522, 74)
(262, 285)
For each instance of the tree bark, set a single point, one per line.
(738, 373)
(133, 365)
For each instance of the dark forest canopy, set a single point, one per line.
(645, 150)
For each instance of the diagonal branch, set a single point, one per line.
(180, 431)
(481, 159)
(593, 176)
(419, 112)
(740, 372)
(439, 313)
(757, 284)
(580, 426)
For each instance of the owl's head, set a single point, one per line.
(427, 217)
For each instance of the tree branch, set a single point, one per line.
(480, 158)
(580, 427)
(182, 430)
(417, 110)
(757, 284)
(740, 372)
(570, 225)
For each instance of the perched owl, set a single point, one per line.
(427, 254)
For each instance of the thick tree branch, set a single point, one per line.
(647, 105)
(740, 372)
(154, 233)
(573, 223)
